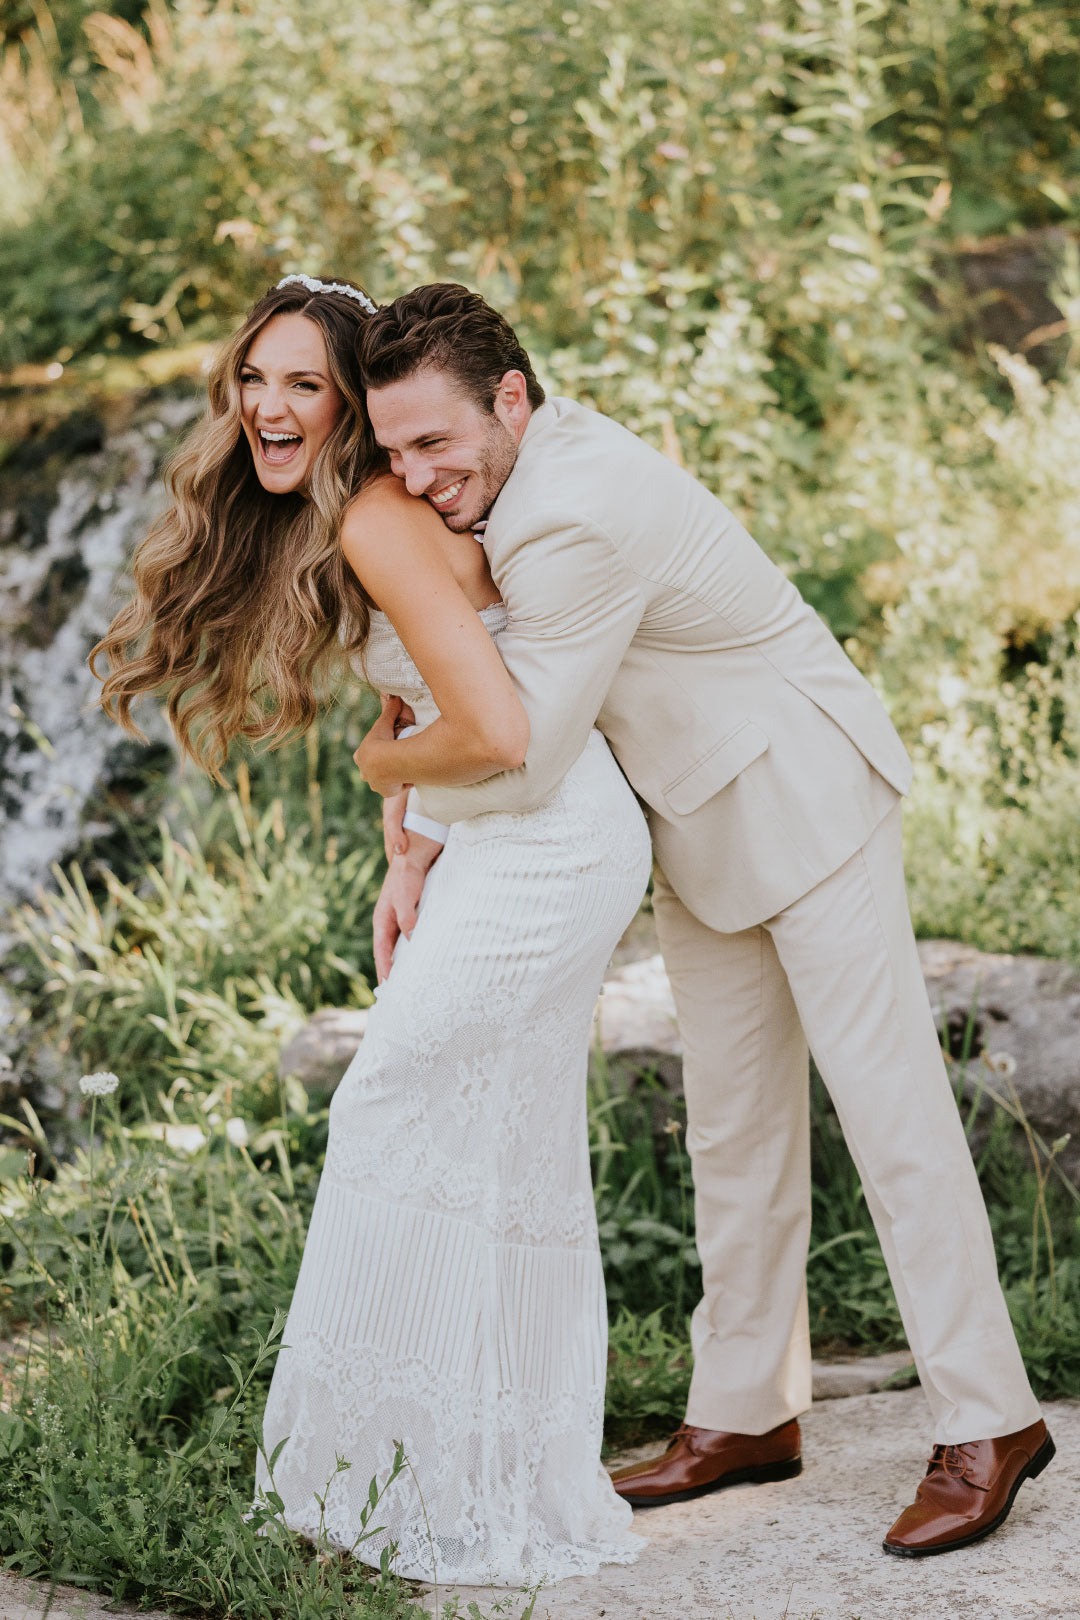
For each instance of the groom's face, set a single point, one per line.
(444, 445)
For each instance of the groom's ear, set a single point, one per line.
(511, 404)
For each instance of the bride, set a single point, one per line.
(450, 1297)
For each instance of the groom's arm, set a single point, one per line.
(574, 609)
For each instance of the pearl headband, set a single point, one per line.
(314, 285)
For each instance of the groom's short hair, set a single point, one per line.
(447, 327)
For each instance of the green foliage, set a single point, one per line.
(151, 1265)
(147, 1282)
(648, 1378)
(618, 161)
(645, 1213)
(731, 227)
(216, 956)
(644, 1199)
(148, 1274)
(851, 1297)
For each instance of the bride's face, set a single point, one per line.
(289, 402)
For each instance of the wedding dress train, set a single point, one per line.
(451, 1294)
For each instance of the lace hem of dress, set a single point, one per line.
(474, 1468)
(552, 1564)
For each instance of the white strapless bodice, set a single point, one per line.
(385, 665)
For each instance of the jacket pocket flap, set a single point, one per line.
(720, 766)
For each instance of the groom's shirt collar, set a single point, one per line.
(540, 419)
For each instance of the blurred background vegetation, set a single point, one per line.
(823, 252)
(771, 235)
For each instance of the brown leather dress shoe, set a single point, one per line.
(701, 1460)
(968, 1491)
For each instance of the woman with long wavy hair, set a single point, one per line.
(241, 587)
(450, 1296)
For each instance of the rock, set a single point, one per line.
(862, 1375)
(638, 942)
(1022, 1007)
(635, 1023)
(1025, 1007)
(76, 502)
(319, 1055)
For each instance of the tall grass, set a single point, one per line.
(148, 1277)
(247, 917)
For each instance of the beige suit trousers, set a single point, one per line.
(839, 964)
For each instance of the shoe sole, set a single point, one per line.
(1033, 1469)
(761, 1474)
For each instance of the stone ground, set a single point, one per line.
(807, 1549)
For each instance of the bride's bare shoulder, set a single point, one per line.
(387, 532)
(386, 500)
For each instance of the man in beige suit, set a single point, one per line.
(772, 780)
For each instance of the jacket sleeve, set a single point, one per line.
(574, 608)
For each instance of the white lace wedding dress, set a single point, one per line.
(451, 1294)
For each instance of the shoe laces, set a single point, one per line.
(953, 1461)
(685, 1431)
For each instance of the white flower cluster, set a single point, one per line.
(185, 1138)
(98, 1085)
(313, 284)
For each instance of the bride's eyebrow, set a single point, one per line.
(291, 376)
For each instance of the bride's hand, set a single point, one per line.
(374, 758)
(395, 911)
(395, 838)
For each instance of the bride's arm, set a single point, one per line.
(392, 543)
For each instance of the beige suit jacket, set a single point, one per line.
(637, 603)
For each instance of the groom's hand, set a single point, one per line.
(395, 909)
(374, 758)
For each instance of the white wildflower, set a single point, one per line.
(237, 1132)
(188, 1138)
(1001, 1064)
(98, 1085)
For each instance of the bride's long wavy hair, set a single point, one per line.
(244, 604)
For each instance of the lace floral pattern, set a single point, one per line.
(451, 1295)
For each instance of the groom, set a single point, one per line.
(772, 779)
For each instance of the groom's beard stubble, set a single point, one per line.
(494, 464)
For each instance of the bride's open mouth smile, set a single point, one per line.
(278, 448)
